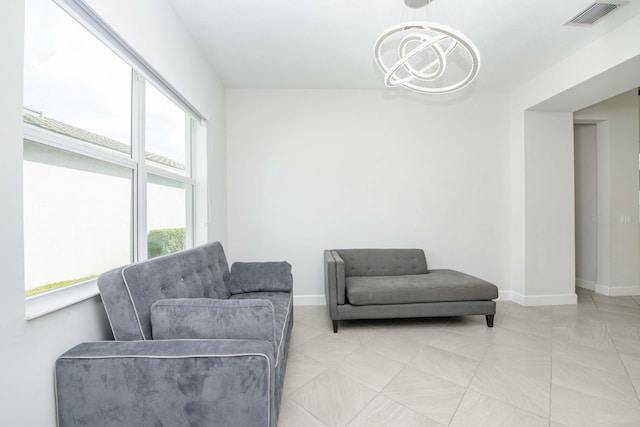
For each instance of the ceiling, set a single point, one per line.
(328, 44)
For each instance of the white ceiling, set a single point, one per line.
(328, 44)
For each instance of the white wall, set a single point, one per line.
(28, 348)
(303, 142)
(310, 170)
(605, 68)
(549, 210)
(618, 240)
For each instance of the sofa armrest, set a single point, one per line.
(183, 382)
(206, 318)
(260, 277)
(336, 276)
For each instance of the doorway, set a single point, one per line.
(586, 204)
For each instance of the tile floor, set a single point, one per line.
(539, 366)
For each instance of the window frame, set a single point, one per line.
(49, 301)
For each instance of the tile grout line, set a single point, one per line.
(474, 373)
(404, 366)
(503, 401)
(606, 324)
(453, 415)
(363, 408)
(622, 361)
(307, 412)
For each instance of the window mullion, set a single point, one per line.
(140, 179)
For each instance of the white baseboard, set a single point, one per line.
(309, 300)
(611, 291)
(617, 291)
(533, 300)
(586, 284)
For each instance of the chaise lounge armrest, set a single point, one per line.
(335, 278)
(207, 318)
(172, 382)
(260, 277)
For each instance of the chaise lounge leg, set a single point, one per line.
(335, 326)
(489, 318)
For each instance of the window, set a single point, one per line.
(107, 156)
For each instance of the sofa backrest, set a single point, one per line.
(383, 262)
(129, 292)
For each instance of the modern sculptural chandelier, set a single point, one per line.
(426, 57)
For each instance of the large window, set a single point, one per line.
(107, 157)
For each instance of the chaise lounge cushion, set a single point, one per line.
(435, 286)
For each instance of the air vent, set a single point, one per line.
(592, 13)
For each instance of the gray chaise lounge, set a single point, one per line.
(394, 283)
(196, 344)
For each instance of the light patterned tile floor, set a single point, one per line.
(540, 366)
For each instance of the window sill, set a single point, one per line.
(48, 302)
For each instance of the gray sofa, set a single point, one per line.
(195, 345)
(395, 283)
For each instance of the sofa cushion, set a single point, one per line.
(206, 318)
(436, 286)
(260, 277)
(282, 302)
(383, 262)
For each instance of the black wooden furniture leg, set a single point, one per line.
(489, 320)
(335, 326)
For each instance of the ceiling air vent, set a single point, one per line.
(593, 13)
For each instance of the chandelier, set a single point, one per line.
(426, 57)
